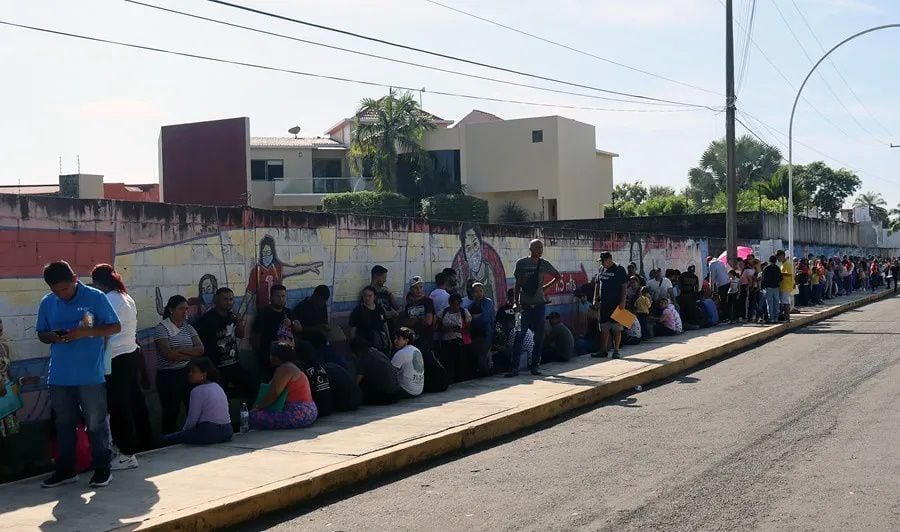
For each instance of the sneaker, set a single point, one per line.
(123, 461)
(509, 374)
(536, 371)
(101, 478)
(598, 354)
(616, 354)
(58, 479)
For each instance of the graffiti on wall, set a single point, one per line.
(268, 271)
(477, 261)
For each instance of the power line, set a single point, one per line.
(569, 47)
(838, 72)
(391, 59)
(774, 132)
(746, 54)
(791, 86)
(450, 57)
(819, 73)
(329, 77)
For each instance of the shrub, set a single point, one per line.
(455, 207)
(513, 213)
(369, 203)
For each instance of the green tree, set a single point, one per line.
(659, 191)
(663, 205)
(876, 205)
(382, 129)
(754, 161)
(831, 188)
(634, 192)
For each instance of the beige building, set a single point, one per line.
(547, 165)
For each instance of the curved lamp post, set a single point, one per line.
(791, 132)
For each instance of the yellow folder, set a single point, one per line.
(625, 318)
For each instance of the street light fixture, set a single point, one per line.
(791, 131)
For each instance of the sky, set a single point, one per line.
(70, 100)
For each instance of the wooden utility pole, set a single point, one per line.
(730, 185)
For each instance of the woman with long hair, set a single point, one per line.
(299, 408)
(129, 420)
(176, 344)
(207, 420)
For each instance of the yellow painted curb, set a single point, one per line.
(254, 503)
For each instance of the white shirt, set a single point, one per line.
(441, 299)
(126, 340)
(659, 289)
(410, 367)
(718, 274)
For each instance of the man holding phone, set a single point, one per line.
(75, 320)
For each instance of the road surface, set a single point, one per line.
(801, 433)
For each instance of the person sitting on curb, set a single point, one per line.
(208, 421)
(299, 409)
(408, 363)
(375, 374)
(560, 343)
(669, 321)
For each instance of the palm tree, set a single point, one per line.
(384, 128)
(754, 161)
(876, 205)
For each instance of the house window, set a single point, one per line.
(551, 209)
(266, 170)
(537, 135)
(324, 173)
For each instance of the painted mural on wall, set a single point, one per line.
(159, 258)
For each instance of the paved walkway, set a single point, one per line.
(203, 487)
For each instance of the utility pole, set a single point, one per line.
(730, 185)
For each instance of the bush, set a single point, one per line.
(513, 213)
(455, 207)
(369, 203)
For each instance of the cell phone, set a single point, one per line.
(61, 332)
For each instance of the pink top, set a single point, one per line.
(298, 390)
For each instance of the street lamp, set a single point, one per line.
(791, 132)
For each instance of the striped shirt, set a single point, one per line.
(184, 338)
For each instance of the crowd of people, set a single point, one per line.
(397, 347)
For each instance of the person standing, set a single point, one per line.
(612, 279)
(719, 282)
(418, 315)
(895, 272)
(385, 297)
(531, 301)
(275, 323)
(176, 343)
(220, 330)
(440, 296)
(483, 328)
(771, 282)
(367, 320)
(129, 419)
(786, 287)
(75, 321)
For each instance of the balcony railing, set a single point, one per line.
(322, 185)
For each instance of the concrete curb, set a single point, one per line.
(304, 488)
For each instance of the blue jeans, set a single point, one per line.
(71, 404)
(532, 318)
(773, 304)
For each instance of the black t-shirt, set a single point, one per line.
(379, 378)
(369, 323)
(309, 314)
(217, 333)
(320, 386)
(771, 276)
(267, 325)
(612, 280)
(344, 390)
(690, 284)
(419, 308)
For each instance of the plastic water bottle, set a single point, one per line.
(518, 326)
(245, 419)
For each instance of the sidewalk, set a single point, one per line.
(204, 487)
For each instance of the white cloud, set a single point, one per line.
(119, 109)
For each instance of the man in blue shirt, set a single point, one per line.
(75, 320)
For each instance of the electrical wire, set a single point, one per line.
(569, 47)
(819, 72)
(451, 57)
(838, 72)
(391, 59)
(746, 54)
(328, 77)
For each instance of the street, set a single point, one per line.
(800, 433)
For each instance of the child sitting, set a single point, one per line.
(207, 420)
(642, 311)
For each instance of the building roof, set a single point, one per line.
(607, 153)
(369, 116)
(29, 189)
(291, 142)
(476, 117)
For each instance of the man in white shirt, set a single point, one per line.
(660, 286)
(440, 296)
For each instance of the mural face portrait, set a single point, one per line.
(266, 255)
(473, 250)
(207, 289)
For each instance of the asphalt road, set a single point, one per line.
(802, 433)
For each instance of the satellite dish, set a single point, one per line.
(294, 130)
